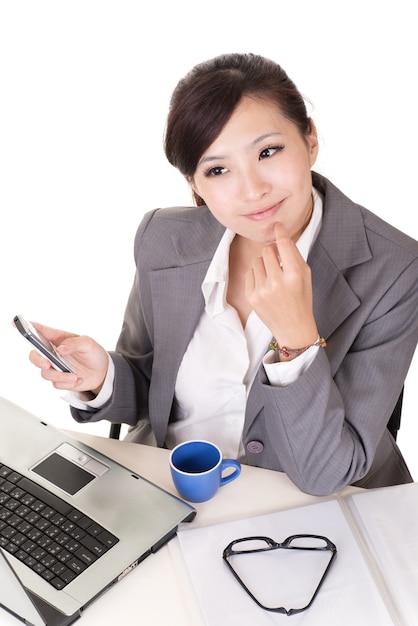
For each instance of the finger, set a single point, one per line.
(280, 231)
(52, 334)
(288, 253)
(271, 252)
(272, 258)
(40, 361)
(75, 343)
(260, 272)
(61, 380)
(48, 371)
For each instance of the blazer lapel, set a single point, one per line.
(334, 300)
(341, 245)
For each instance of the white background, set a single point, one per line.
(85, 87)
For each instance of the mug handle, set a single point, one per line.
(237, 471)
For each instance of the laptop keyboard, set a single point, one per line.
(55, 540)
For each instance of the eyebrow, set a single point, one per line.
(211, 158)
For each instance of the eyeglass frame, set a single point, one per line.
(273, 545)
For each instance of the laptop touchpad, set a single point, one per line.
(69, 469)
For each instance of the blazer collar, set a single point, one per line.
(198, 240)
(342, 223)
(341, 244)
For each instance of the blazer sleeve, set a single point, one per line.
(328, 428)
(132, 358)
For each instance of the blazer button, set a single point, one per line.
(255, 447)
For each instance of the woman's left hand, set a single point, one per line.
(279, 289)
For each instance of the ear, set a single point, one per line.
(313, 144)
(191, 182)
(195, 194)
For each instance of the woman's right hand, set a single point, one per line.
(87, 358)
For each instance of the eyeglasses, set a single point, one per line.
(234, 552)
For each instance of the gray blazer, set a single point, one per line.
(327, 429)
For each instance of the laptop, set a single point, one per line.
(73, 522)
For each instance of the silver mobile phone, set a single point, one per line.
(41, 344)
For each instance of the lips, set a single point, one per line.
(264, 214)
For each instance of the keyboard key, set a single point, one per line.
(93, 545)
(86, 556)
(107, 539)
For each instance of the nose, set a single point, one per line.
(253, 185)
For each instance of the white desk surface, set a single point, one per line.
(158, 592)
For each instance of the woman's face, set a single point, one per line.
(258, 172)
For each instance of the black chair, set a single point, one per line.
(394, 422)
(114, 432)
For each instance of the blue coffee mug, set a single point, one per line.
(197, 467)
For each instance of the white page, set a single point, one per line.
(348, 596)
(390, 525)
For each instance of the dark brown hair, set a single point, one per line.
(206, 97)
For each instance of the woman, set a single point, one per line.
(273, 255)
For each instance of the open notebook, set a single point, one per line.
(72, 521)
(373, 581)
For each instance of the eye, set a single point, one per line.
(216, 171)
(269, 152)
